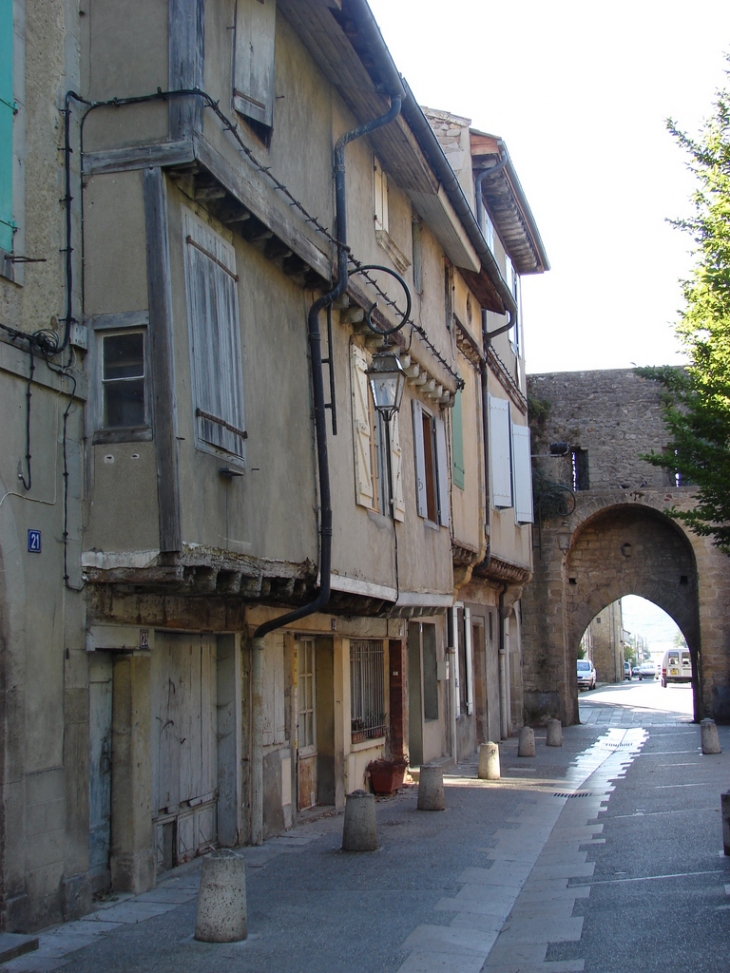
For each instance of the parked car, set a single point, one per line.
(676, 666)
(628, 671)
(647, 670)
(586, 674)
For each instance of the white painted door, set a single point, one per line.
(184, 751)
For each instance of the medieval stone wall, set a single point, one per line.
(617, 539)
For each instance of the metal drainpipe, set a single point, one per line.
(325, 499)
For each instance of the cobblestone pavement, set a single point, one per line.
(522, 875)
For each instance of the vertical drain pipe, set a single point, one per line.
(325, 502)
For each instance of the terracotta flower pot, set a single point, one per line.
(386, 776)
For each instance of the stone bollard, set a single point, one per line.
(554, 734)
(526, 746)
(431, 788)
(360, 832)
(710, 738)
(489, 768)
(222, 899)
(725, 808)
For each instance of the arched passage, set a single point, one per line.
(630, 549)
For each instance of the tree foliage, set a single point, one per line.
(697, 398)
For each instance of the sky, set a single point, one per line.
(580, 91)
(641, 617)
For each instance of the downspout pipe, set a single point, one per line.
(325, 497)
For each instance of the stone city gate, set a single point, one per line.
(615, 539)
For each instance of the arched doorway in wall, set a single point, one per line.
(629, 549)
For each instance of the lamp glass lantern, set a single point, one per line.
(387, 381)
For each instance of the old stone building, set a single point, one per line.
(230, 578)
(614, 538)
(602, 643)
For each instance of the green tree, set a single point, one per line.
(697, 399)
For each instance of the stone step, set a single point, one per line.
(13, 944)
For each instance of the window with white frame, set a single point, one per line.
(215, 341)
(522, 474)
(370, 441)
(367, 689)
(253, 67)
(432, 486)
(500, 451)
(380, 187)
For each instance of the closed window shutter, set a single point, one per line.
(210, 265)
(522, 474)
(442, 472)
(420, 458)
(500, 452)
(457, 442)
(7, 111)
(396, 466)
(362, 433)
(253, 76)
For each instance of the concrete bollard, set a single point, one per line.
(360, 832)
(554, 734)
(222, 899)
(710, 738)
(489, 768)
(725, 808)
(526, 746)
(431, 788)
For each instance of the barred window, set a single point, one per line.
(367, 689)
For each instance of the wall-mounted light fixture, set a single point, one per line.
(387, 381)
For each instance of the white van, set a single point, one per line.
(676, 666)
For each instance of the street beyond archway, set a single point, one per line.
(643, 703)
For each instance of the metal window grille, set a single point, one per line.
(367, 689)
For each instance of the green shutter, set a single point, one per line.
(457, 443)
(7, 111)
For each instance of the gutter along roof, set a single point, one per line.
(344, 39)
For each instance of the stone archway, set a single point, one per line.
(631, 549)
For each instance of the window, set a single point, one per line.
(253, 70)
(215, 343)
(371, 459)
(579, 468)
(432, 489)
(123, 410)
(380, 183)
(367, 689)
(307, 728)
(457, 443)
(522, 474)
(488, 229)
(500, 450)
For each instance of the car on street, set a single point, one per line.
(647, 670)
(586, 674)
(628, 671)
(676, 666)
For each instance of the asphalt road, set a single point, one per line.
(601, 856)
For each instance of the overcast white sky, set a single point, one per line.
(580, 92)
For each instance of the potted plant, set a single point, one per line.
(358, 730)
(386, 774)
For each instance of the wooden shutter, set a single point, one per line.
(253, 73)
(457, 442)
(7, 111)
(420, 458)
(522, 474)
(362, 430)
(442, 472)
(396, 467)
(500, 459)
(215, 342)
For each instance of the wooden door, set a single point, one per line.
(100, 768)
(307, 724)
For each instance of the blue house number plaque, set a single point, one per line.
(34, 541)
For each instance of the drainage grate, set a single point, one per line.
(575, 794)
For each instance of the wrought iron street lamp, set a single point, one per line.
(387, 381)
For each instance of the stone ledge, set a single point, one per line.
(13, 944)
